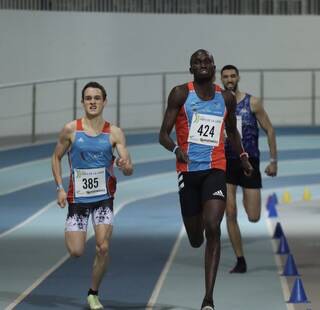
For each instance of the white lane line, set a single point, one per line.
(284, 284)
(291, 172)
(24, 165)
(118, 208)
(165, 270)
(134, 149)
(28, 185)
(26, 292)
(28, 220)
(28, 144)
(64, 175)
(46, 274)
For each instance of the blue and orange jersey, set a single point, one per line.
(203, 142)
(249, 128)
(91, 161)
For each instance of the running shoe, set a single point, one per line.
(207, 308)
(207, 305)
(240, 266)
(94, 303)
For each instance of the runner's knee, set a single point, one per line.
(196, 242)
(231, 214)
(102, 249)
(254, 218)
(212, 230)
(76, 252)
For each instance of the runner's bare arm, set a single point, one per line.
(63, 144)
(176, 99)
(124, 162)
(265, 123)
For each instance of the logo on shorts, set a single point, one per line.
(218, 193)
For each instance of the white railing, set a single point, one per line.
(137, 101)
(257, 7)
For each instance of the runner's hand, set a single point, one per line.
(121, 163)
(272, 169)
(61, 198)
(181, 156)
(247, 168)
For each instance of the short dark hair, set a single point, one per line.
(201, 50)
(94, 85)
(230, 67)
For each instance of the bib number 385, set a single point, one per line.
(90, 182)
(205, 129)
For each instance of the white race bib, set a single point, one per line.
(205, 129)
(239, 125)
(89, 182)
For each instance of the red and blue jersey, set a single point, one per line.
(203, 142)
(91, 166)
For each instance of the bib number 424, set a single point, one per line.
(206, 131)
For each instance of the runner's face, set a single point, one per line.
(93, 102)
(230, 79)
(202, 66)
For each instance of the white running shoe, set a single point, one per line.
(207, 308)
(94, 303)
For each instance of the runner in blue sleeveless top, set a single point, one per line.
(200, 111)
(247, 121)
(90, 142)
(250, 113)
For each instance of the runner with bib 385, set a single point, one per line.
(90, 142)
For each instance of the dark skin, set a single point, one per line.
(208, 222)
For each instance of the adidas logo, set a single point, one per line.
(218, 193)
(180, 181)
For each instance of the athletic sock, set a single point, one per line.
(92, 292)
(241, 266)
(241, 260)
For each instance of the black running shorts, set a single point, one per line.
(236, 176)
(197, 187)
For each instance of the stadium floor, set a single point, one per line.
(152, 265)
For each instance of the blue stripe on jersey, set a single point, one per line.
(91, 152)
(200, 156)
(250, 130)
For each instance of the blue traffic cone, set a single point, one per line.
(270, 202)
(275, 198)
(283, 246)
(290, 268)
(298, 295)
(278, 232)
(273, 211)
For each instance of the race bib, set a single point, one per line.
(239, 125)
(205, 129)
(89, 182)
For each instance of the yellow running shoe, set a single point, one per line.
(94, 303)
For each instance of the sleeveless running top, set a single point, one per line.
(250, 130)
(91, 166)
(199, 130)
